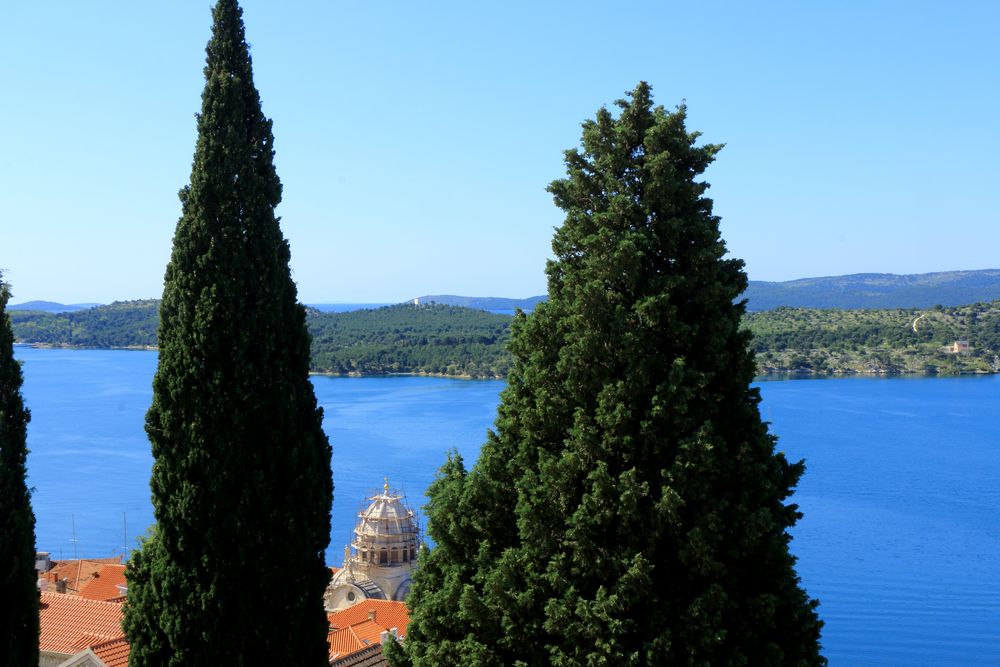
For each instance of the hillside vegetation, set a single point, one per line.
(877, 341)
(120, 324)
(451, 340)
(432, 339)
(446, 340)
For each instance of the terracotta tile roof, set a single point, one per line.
(70, 623)
(344, 642)
(112, 653)
(367, 631)
(104, 584)
(354, 629)
(87, 640)
(388, 614)
(353, 638)
(77, 572)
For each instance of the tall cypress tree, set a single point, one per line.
(18, 592)
(629, 508)
(234, 572)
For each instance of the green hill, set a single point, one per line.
(878, 341)
(120, 324)
(406, 338)
(434, 339)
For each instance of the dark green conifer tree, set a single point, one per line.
(18, 591)
(234, 572)
(629, 508)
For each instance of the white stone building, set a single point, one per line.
(382, 555)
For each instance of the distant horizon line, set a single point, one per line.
(315, 302)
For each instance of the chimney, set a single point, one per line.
(394, 632)
(61, 585)
(372, 614)
(43, 561)
(383, 637)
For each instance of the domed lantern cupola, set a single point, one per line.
(382, 554)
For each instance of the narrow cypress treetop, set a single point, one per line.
(18, 592)
(234, 572)
(630, 508)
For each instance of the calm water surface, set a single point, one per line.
(900, 540)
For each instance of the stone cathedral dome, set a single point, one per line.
(381, 556)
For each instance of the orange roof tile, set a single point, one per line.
(353, 629)
(78, 572)
(70, 623)
(367, 631)
(104, 584)
(344, 641)
(113, 653)
(88, 639)
(388, 613)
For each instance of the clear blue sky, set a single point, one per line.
(415, 140)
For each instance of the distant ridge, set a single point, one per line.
(877, 290)
(850, 292)
(51, 306)
(482, 302)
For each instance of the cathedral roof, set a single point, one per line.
(387, 515)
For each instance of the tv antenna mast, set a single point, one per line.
(124, 536)
(73, 539)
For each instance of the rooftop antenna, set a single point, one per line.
(124, 536)
(73, 539)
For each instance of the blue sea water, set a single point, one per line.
(900, 538)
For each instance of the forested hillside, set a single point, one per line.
(410, 339)
(120, 324)
(878, 341)
(435, 339)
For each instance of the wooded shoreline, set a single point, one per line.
(452, 341)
